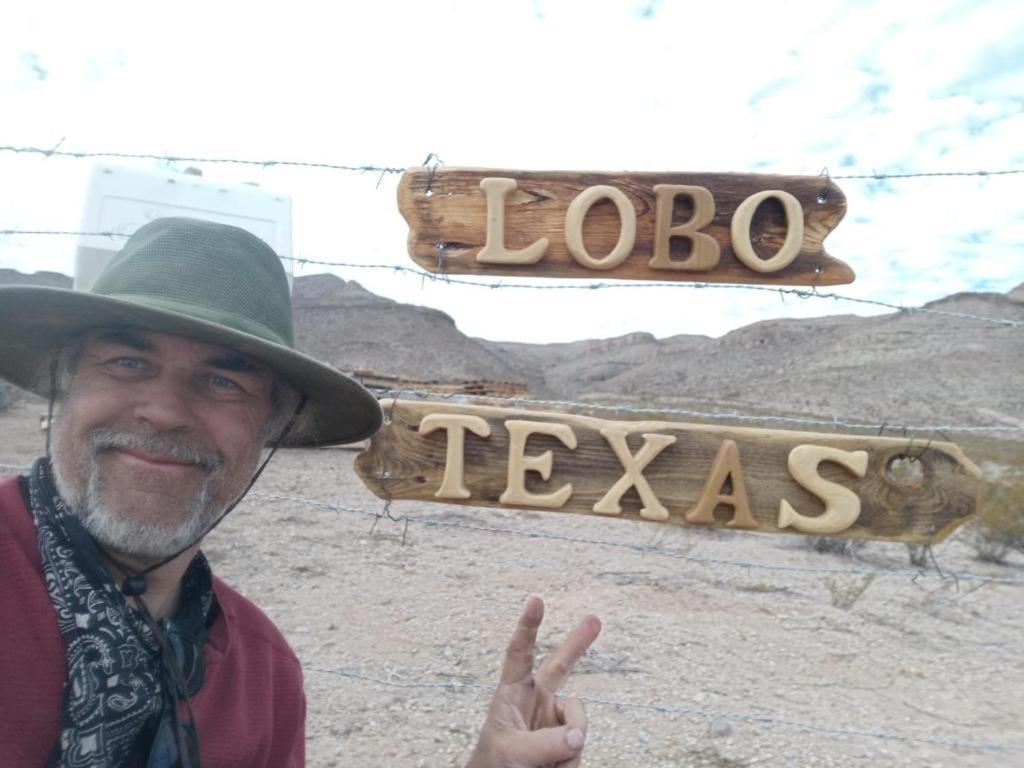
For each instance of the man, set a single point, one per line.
(120, 648)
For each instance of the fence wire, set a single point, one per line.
(810, 293)
(56, 151)
(893, 428)
(439, 522)
(442, 277)
(647, 549)
(684, 711)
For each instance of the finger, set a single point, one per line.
(559, 664)
(574, 717)
(546, 746)
(519, 657)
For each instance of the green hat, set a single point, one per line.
(210, 282)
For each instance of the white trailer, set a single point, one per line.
(122, 199)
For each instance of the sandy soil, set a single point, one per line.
(922, 659)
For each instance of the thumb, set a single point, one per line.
(545, 746)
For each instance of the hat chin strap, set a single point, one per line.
(49, 405)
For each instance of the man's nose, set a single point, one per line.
(165, 403)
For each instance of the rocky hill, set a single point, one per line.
(345, 325)
(904, 367)
(46, 279)
(922, 367)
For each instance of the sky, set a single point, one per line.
(789, 87)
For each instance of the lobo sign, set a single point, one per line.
(730, 228)
(686, 474)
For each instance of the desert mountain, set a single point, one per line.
(343, 324)
(903, 367)
(45, 279)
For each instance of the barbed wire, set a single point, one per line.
(436, 522)
(707, 714)
(834, 423)
(54, 152)
(812, 293)
(925, 174)
(72, 232)
(57, 152)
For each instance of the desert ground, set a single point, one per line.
(703, 661)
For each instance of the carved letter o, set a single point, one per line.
(578, 209)
(740, 229)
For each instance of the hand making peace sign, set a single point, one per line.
(526, 726)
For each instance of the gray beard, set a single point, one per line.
(152, 541)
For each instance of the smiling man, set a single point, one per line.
(171, 379)
(156, 490)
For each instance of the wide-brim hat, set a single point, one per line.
(206, 281)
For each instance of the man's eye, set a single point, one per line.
(130, 363)
(222, 382)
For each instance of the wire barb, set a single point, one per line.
(49, 152)
(441, 258)
(923, 451)
(431, 170)
(823, 195)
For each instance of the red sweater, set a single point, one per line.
(250, 712)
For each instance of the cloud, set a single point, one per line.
(32, 69)
(994, 71)
(976, 237)
(771, 89)
(647, 9)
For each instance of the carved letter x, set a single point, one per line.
(634, 466)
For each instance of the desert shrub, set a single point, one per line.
(999, 528)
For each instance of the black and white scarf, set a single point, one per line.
(120, 700)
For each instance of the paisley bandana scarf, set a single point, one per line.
(120, 702)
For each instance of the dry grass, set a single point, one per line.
(999, 529)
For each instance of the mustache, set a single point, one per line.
(163, 445)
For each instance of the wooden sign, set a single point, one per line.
(709, 227)
(685, 474)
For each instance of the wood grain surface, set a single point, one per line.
(684, 476)
(447, 213)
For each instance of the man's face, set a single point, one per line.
(155, 436)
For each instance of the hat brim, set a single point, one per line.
(35, 322)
